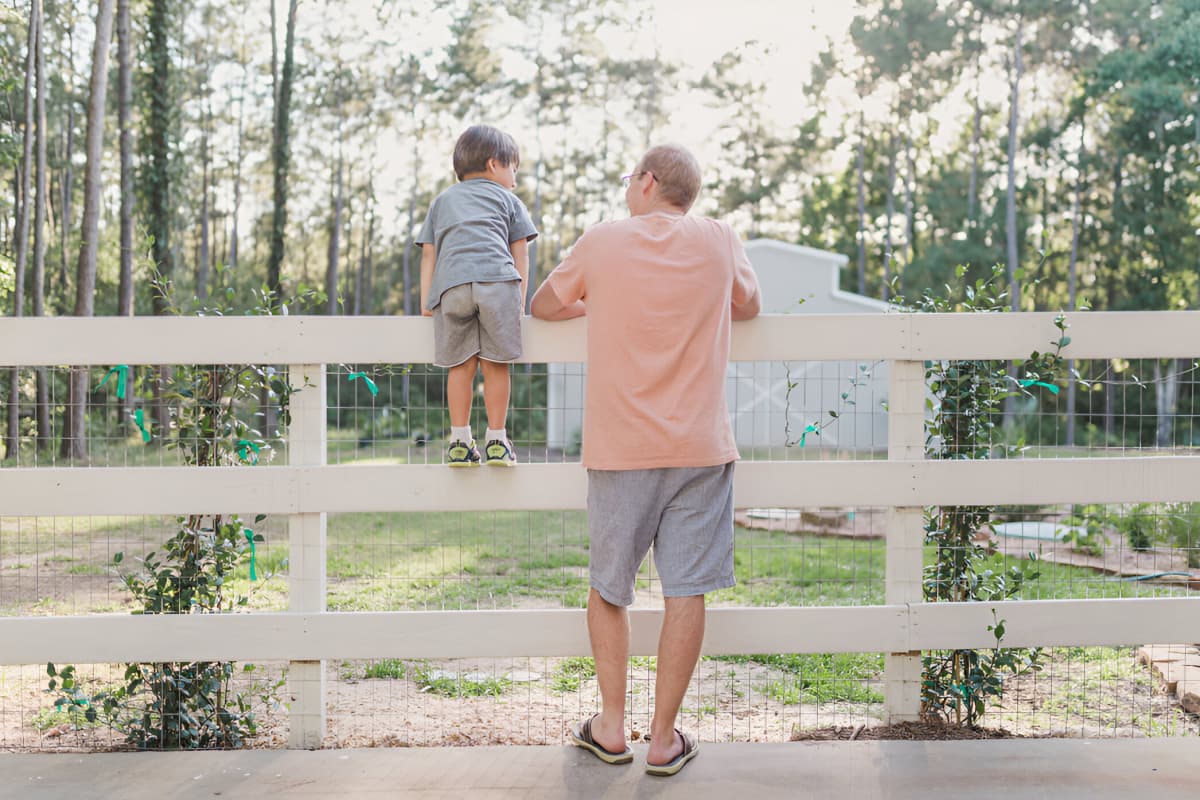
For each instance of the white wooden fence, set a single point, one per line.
(307, 489)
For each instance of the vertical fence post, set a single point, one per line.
(306, 563)
(905, 536)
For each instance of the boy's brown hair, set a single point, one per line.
(480, 143)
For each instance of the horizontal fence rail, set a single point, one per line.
(42, 492)
(502, 634)
(43, 341)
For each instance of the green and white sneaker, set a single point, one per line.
(462, 454)
(499, 453)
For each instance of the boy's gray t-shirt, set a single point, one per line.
(472, 224)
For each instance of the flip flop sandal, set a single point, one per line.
(690, 748)
(582, 737)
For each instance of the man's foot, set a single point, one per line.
(690, 748)
(499, 453)
(582, 737)
(462, 454)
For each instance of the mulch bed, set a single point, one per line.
(931, 731)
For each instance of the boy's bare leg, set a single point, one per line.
(608, 629)
(678, 650)
(460, 385)
(496, 389)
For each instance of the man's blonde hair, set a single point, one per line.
(677, 173)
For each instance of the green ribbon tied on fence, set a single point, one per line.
(809, 428)
(122, 373)
(1053, 389)
(139, 419)
(244, 446)
(353, 376)
(253, 554)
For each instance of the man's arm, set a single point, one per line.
(547, 306)
(428, 260)
(747, 310)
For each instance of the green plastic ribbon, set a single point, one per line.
(244, 446)
(253, 554)
(366, 379)
(809, 428)
(122, 373)
(139, 419)
(1053, 389)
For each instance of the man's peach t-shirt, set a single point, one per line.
(657, 288)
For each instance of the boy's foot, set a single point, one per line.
(499, 453)
(462, 454)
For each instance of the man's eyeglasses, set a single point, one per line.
(627, 179)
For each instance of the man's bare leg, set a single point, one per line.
(678, 650)
(608, 629)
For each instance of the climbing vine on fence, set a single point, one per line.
(965, 399)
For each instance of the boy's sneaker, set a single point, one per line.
(499, 453)
(462, 454)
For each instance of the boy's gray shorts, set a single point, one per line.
(483, 318)
(686, 513)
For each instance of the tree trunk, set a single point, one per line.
(1072, 267)
(281, 157)
(68, 179)
(360, 274)
(12, 437)
(1010, 207)
(1110, 388)
(42, 413)
(1010, 203)
(237, 170)
(973, 184)
(125, 124)
(910, 246)
(1166, 395)
(891, 212)
(335, 232)
(202, 262)
(157, 176)
(862, 205)
(75, 441)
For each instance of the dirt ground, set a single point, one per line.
(1091, 694)
(1078, 694)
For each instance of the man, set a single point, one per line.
(659, 291)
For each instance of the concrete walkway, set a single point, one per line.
(1057, 769)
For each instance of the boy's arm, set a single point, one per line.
(428, 260)
(520, 254)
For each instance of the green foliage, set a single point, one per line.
(456, 685)
(818, 677)
(1143, 525)
(964, 424)
(192, 704)
(391, 668)
(572, 672)
(1086, 530)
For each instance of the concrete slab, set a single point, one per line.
(1055, 769)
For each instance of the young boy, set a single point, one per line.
(474, 269)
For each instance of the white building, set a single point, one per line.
(766, 414)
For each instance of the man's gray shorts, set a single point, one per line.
(686, 513)
(478, 318)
